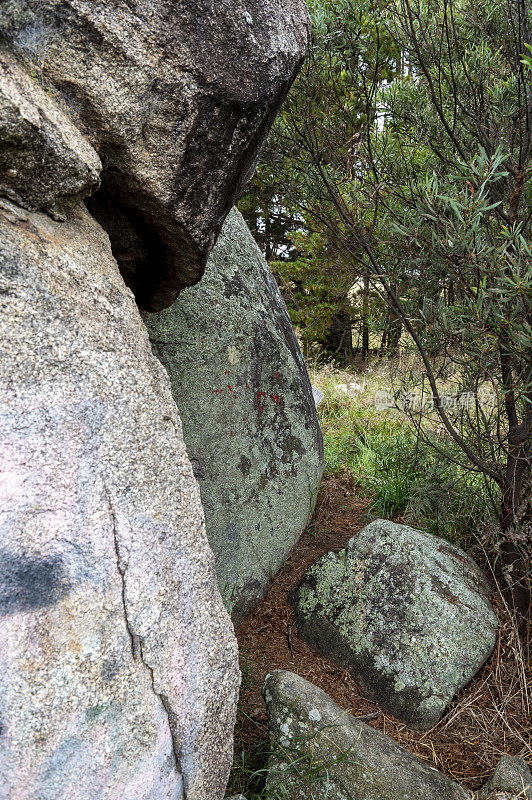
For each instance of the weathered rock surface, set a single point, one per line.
(323, 752)
(249, 418)
(118, 663)
(177, 97)
(405, 612)
(45, 162)
(512, 779)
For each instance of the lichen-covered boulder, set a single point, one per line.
(248, 413)
(512, 780)
(45, 162)
(319, 752)
(405, 612)
(176, 96)
(118, 663)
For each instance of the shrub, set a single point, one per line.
(404, 475)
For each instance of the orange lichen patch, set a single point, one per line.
(490, 717)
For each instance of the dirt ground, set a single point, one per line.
(489, 718)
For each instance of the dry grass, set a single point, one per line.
(491, 717)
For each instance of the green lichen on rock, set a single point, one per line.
(249, 418)
(407, 613)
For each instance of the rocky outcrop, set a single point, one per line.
(176, 97)
(320, 751)
(249, 418)
(512, 780)
(45, 163)
(405, 612)
(118, 663)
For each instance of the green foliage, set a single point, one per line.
(315, 297)
(448, 232)
(265, 771)
(246, 671)
(313, 273)
(269, 220)
(250, 769)
(402, 474)
(405, 153)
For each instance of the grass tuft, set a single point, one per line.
(404, 475)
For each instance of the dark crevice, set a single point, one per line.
(133, 638)
(145, 261)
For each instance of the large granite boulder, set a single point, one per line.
(248, 413)
(45, 162)
(320, 752)
(405, 612)
(118, 663)
(177, 97)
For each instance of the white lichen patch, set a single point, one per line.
(233, 355)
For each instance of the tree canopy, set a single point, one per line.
(401, 165)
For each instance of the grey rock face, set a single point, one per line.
(512, 779)
(405, 612)
(177, 97)
(249, 419)
(118, 663)
(320, 751)
(45, 162)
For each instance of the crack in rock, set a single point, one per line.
(137, 649)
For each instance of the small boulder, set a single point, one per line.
(249, 418)
(45, 162)
(320, 751)
(405, 612)
(512, 780)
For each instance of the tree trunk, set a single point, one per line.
(338, 340)
(394, 328)
(516, 524)
(365, 319)
(382, 348)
